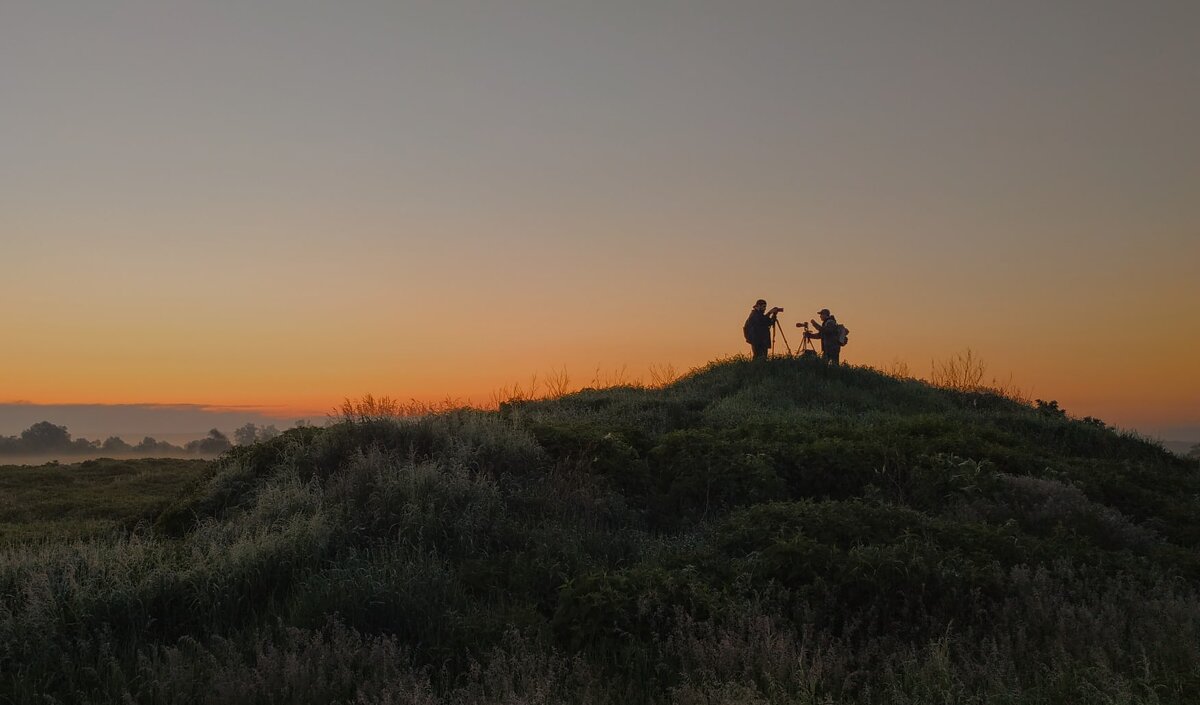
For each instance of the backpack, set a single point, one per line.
(843, 334)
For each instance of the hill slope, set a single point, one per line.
(776, 532)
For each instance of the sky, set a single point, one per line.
(278, 204)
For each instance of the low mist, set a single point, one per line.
(45, 442)
(57, 459)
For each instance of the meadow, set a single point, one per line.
(90, 498)
(775, 532)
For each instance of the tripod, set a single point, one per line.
(776, 327)
(806, 343)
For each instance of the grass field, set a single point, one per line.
(89, 498)
(775, 532)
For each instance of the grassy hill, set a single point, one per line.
(753, 533)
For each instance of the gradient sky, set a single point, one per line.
(285, 203)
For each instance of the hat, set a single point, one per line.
(824, 311)
(760, 302)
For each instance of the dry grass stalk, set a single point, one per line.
(663, 375)
(964, 372)
(897, 368)
(371, 408)
(961, 372)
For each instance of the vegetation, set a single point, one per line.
(47, 439)
(750, 533)
(90, 498)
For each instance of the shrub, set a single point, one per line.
(441, 508)
(612, 611)
(699, 473)
(611, 454)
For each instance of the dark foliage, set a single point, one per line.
(776, 532)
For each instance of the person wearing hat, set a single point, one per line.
(827, 332)
(758, 328)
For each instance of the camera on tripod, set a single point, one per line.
(802, 325)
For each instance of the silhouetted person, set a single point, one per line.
(827, 332)
(758, 328)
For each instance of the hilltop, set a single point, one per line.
(754, 532)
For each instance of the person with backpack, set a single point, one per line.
(831, 334)
(757, 329)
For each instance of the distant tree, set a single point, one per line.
(83, 445)
(114, 444)
(44, 436)
(251, 434)
(1194, 452)
(10, 445)
(246, 435)
(149, 446)
(213, 444)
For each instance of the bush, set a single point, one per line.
(612, 611)
(700, 473)
(616, 455)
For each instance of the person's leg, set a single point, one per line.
(760, 351)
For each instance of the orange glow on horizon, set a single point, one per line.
(595, 187)
(1151, 396)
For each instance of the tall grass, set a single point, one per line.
(778, 532)
(962, 372)
(965, 372)
(372, 408)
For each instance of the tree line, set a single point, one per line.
(45, 437)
